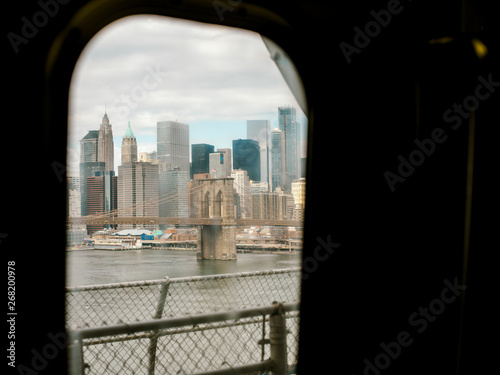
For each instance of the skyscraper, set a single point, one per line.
(220, 163)
(277, 159)
(73, 205)
(138, 190)
(242, 188)
(137, 183)
(101, 195)
(289, 126)
(266, 205)
(88, 147)
(129, 146)
(258, 130)
(173, 144)
(246, 156)
(106, 147)
(200, 158)
(299, 195)
(228, 160)
(88, 164)
(173, 193)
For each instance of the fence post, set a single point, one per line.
(161, 301)
(154, 338)
(277, 338)
(75, 350)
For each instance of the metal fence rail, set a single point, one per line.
(212, 344)
(97, 305)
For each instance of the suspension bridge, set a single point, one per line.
(212, 211)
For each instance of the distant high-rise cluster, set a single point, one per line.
(267, 171)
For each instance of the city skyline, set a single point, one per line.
(174, 148)
(149, 69)
(142, 181)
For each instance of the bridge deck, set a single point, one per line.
(102, 220)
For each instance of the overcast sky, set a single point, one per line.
(150, 68)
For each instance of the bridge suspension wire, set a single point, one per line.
(164, 198)
(148, 203)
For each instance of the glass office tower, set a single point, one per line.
(246, 156)
(277, 159)
(259, 130)
(200, 158)
(173, 144)
(88, 164)
(289, 126)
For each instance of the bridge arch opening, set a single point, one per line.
(218, 204)
(206, 204)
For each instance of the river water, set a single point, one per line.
(89, 267)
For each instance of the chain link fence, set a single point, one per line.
(98, 305)
(188, 349)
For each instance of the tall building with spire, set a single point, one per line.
(105, 144)
(129, 146)
(137, 183)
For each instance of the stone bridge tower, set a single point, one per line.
(215, 199)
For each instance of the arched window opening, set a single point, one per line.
(171, 122)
